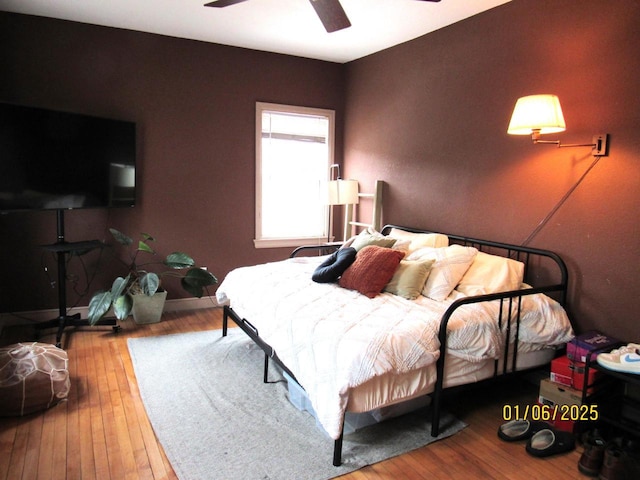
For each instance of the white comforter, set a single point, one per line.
(333, 339)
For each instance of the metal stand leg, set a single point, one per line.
(225, 320)
(337, 452)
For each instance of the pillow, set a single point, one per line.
(419, 240)
(450, 264)
(402, 245)
(491, 274)
(373, 268)
(409, 279)
(371, 237)
(330, 270)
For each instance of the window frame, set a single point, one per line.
(261, 107)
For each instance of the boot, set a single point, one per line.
(592, 457)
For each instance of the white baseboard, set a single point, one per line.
(36, 316)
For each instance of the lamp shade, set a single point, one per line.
(342, 192)
(537, 113)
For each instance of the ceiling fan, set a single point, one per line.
(330, 12)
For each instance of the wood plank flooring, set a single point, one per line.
(102, 431)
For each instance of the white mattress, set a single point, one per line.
(383, 391)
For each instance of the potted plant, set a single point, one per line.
(142, 284)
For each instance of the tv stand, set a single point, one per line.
(63, 248)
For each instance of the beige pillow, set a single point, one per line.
(371, 237)
(409, 279)
(420, 240)
(491, 274)
(450, 265)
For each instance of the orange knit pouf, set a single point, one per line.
(33, 377)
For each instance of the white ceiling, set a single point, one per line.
(282, 26)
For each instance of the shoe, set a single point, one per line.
(515, 430)
(550, 442)
(613, 465)
(624, 359)
(592, 457)
(632, 458)
(621, 460)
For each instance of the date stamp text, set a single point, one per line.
(550, 413)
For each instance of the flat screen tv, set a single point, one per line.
(51, 160)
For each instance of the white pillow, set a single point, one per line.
(420, 240)
(450, 265)
(491, 274)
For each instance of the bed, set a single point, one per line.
(453, 311)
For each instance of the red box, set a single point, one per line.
(580, 346)
(559, 424)
(571, 374)
(551, 395)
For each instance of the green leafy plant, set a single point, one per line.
(139, 280)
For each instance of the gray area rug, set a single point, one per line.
(216, 419)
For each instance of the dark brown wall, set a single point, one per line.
(430, 117)
(194, 104)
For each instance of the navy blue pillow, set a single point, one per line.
(334, 266)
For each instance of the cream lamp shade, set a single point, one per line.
(536, 115)
(342, 192)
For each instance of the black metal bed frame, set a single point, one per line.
(536, 261)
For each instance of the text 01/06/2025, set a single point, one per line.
(550, 413)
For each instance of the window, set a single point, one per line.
(294, 149)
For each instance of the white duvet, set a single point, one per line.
(333, 339)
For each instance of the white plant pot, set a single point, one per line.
(148, 309)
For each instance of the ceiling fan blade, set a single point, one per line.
(223, 3)
(331, 14)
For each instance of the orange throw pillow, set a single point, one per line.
(373, 268)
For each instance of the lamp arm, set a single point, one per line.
(562, 145)
(598, 145)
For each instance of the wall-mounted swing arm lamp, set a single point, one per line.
(537, 115)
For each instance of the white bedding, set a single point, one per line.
(334, 340)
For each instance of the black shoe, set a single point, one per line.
(550, 442)
(515, 430)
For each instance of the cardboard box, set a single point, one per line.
(552, 394)
(583, 344)
(570, 373)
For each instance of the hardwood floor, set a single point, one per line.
(102, 431)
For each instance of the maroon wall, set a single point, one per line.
(194, 104)
(430, 117)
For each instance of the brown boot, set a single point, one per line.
(613, 467)
(591, 460)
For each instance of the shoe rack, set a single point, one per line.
(617, 395)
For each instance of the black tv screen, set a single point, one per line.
(51, 160)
